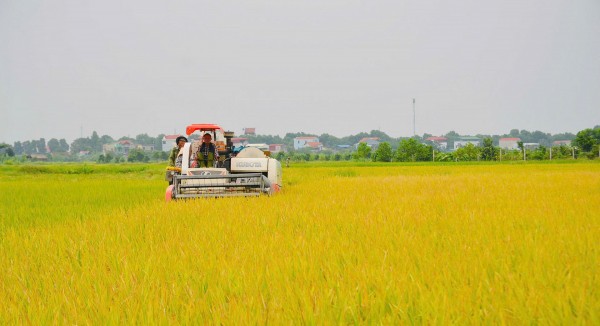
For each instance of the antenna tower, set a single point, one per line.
(414, 119)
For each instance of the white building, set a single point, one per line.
(531, 146)
(509, 143)
(168, 142)
(308, 141)
(464, 141)
(372, 142)
(439, 142)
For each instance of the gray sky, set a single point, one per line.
(342, 67)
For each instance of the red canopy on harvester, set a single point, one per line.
(202, 127)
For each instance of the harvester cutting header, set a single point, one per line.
(213, 167)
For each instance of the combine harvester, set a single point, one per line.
(239, 172)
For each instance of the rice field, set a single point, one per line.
(345, 243)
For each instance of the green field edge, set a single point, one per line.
(159, 168)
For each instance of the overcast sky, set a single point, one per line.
(339, 67)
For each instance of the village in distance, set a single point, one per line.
(372, 146)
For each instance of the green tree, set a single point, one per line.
(383, 153)
(64, 147)
(488, 152)
(452, 134)
(106, 139)
(329, 140)
(137, 155)
(6, 150)
(410, 150)
(158, 142)
(444, 157)
(26, 147)
(18, 148)
(54, 145)
(363, 152)
(81, 144)
(587, 138)
(41, 146)
(468, 152)
(96, 145)
(539, 153)
(144, 139)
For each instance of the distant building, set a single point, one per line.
(168, 142)
(276, 148)
(531, 145)
(372, 142)
(120, 147)
(509, 143)
(41, 157)
(145, 148)
(561, 143)
(239, 141)
(307, 141)
(262, 147)
(249, 131)
(317, 146)
(440, 142)
(464, 141)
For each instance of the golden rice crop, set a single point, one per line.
(343, 243)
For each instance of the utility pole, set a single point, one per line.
(414, 119)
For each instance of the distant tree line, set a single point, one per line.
(60, 150)
(414, 149)
(330, 141)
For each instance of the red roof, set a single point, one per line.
(313, 144)
(510, 139)
(202, 127)
(171, 136)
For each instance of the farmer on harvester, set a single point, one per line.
(207, 153)
(176, 153)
